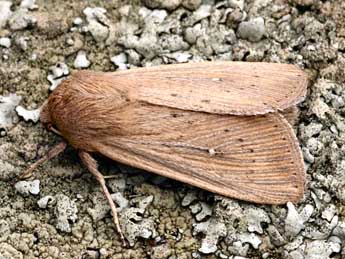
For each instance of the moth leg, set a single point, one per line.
(49, 155)
(51, 128)
(91, 164)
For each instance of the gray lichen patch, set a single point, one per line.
(295, 221)
(58, 73)
(213, 230)
(136, 226)
(28, 187)
(7, 110)
(98, 23)
(252, 30)
(65, 212)
(255, 218)
(45, 201)
(81, 60)
(28, 115)
(8, 251)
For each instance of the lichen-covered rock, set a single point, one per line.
(339, 230)
(275, 236)
(213, 229)
(21, 19)
(294, 221)
(5, 230)
(255, 218)
(329, 212)
(320, 249)
(123, 203)
(161, 251)
(98, 23)
(28, 187)
(205, 211)
(57, 73)
(101, 207)
(252, 30)
(325, 103)
(249, 238)
(5, 10)
(7, 110)
(28, 4)
(236, 4)
(28, 115)
(189, 198)
(135, 225)
(8, 251)
(65, 212)
(163, 4)
(120, 61)
(81, 60)
(191, 4)
(5, 42)
(45, 201)
(22, 43)
(303, 2)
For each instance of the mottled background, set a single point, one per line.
(61, 213)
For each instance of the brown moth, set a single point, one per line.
(219, 126)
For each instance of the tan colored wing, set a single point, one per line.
(239, 88)
(253, 158)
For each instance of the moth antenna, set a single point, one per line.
(91, 164)
(49, 155)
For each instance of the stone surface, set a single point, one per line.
(252, 30)
(81, 60)
(28, 187)
(69, 217)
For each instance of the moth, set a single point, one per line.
(221, 126)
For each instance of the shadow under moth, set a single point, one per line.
(221, 126)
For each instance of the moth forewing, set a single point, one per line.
(239, 88)
(253, 158)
